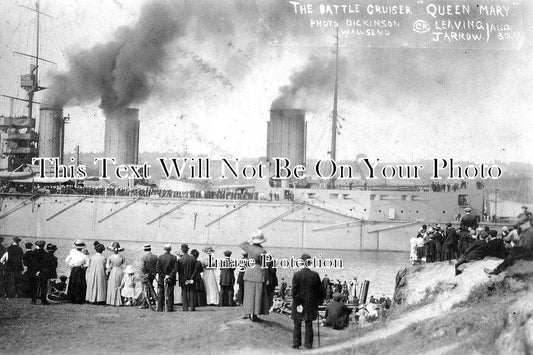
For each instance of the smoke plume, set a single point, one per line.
(121, 71)
(314, 80)
(124, 71)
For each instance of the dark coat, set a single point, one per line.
(166, 265)
(337, 315)
(14, 258)
(308, 292)
(476, 251)
(227, 276)
(496, 248)
(451, 236)
(52, 266)
(148, 264)
(240, 277)
(186, 268)
(469, 220)
(41, 264)
(325, 282)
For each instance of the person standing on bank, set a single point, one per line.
(27, 280)
(166, 267)
(240, 280)
(114, 269)
(208, 275)
(78, 262)
(200, 294)
(38, 274)
(186, 271)
(52, 260)
(12, 261)
(227, 280)
(254, 277)
(307, 295)
(148, 272)
(95, 277)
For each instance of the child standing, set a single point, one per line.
(128, 284)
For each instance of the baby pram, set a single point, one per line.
(56, 292)
(148, 298)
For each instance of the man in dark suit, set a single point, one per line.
(187, 272)
(39, 274)
(12, 260)
(148, 272)
(469, 220)
(166, 268)
(307, 295)
(227, 280)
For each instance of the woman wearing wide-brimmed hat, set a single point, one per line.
(78, 262)
(254, 278)
(114, 269)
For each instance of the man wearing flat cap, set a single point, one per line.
(166, 268)
(12, 261)
(227, 280)
(148, 272)
(187, 273)
(524, 249)
(307, 295)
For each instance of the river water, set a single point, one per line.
(379, 268)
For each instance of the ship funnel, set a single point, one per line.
(286, 135)
(122, 135)
(51, 132)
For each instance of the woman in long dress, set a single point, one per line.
(254, 278)
(95, 276)
(210, 281)
(114, 269)
(199, 286)
(78, 262)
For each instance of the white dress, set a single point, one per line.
(211, 286)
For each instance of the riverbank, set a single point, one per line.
(434, 312)
(89, 329)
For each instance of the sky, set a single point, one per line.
(205, 74)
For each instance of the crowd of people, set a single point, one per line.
(144, 191)
(471, 242)
(108, 280)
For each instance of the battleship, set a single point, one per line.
(292, 213)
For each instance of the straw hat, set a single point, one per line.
(79, 243)
(257, 238)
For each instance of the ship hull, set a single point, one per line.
(196, 221)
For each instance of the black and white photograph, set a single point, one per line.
(266, 177)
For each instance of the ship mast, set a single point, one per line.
(30, 82)
(333, 151)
